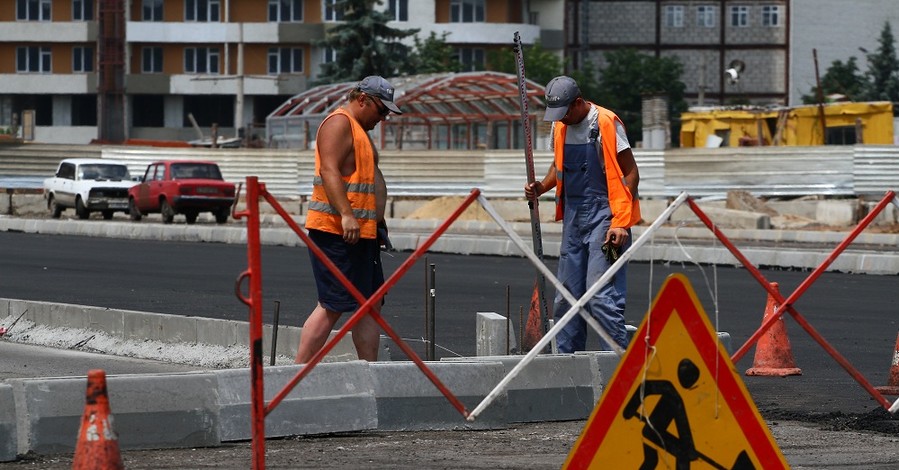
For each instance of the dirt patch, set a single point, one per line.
(443, 207)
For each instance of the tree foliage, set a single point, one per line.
(879, 83)
(629, 76)
(540, 65)
(433, 55)
(364, 43)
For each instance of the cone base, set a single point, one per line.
(773, 371)
(888, 390)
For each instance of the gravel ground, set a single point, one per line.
(532, 446)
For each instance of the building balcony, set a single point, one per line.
(48, 31)
(45, 83)
(482, 33)
(231, 84)
(213, 33)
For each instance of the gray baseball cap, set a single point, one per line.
(560, 93)
(375, 85)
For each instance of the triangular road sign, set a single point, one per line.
(677, 400)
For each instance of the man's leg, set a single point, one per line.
(607, 306)
(315, 333)
(367, 338)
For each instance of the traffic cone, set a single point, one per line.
(892, 387)
(773, 356)
(533, 330)
(98, 444)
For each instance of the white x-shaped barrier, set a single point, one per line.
(577, 306)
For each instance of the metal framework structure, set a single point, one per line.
(471, 110)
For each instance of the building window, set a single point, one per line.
(151, 59)
(82, 59)
(466, 11)
(285, 11)
(739, 16)
(471, 58)
(770, 15)
(674, 16)
(201, 60)
(33, 60)
(705, 16)
(329, 54)
(333, 12)
(33, 10)
(201, 10)
(398, 10)
(82, 10)
(285, 60)
(151, 10)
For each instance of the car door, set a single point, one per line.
(143, 191)
(65, 178)
(155, 186)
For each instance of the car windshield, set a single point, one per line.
(196, 170)
(102, 171)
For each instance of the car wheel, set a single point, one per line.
(168, 214)
(221, 215)
(133, 211)
(55, 208)
(191, 217)
(107, 215)
(80, 209)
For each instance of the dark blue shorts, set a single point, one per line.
(360, 263)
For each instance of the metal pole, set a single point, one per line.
(275, 331)
(508, 319)
(820, 96)
(432, 320)
(427, 309)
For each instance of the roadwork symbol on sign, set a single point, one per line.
(676, 399)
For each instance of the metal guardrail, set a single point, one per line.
(763, 171)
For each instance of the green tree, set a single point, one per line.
(629, 76)
(842, 78)
(365, 45)
(883, 68)
(433, 55)
(540, 65)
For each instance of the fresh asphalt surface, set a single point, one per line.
(855, 313)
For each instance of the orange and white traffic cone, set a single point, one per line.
(773, 355)
(98, 444)
(892, 387)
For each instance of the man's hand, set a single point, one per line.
(533, 190)
(350, 229)
(616, 237)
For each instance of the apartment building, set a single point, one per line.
(706, 36)
(110, 70)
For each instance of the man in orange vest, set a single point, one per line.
(348, 201)
(596, 179)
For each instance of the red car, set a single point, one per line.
(186, 187)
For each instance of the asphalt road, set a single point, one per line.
(855, 313)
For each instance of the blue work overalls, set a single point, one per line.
(586, 219)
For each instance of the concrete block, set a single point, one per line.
(150, 411)
(331, 398)
(888, 216)
(552, 387)
(494, 335)
(838, 213)
(603, 365)
(409, 401)
(8, 437)
(724, 217)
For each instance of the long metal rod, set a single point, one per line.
(432, 318)
(576, 306)
(533, 205)
(366, 305)
(275, 322)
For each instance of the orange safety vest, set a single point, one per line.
(360, 188)
(625, 207)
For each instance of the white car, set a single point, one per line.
(88, 185)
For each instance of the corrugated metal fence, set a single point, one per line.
(763, 171)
